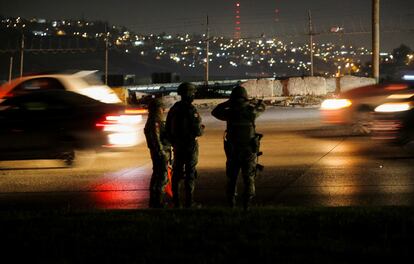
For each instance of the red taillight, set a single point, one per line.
(121, 130)
(107, 121)
(119, 123)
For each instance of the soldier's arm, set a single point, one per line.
(220, 111)
(157, 137)
(168, 126)
(258, 107)
(163, 134)
(198, 127)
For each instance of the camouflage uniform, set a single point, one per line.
(183, 128)
(160, 150)
(241, 153)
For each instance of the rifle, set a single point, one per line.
(256, 147)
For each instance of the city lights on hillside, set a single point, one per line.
(188, 51)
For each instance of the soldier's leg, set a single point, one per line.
(152, 191)
(190, 175)
(232, 171)
(189, 191)
(152, 187)
(248, 168)
(161, 180)
(177, 175)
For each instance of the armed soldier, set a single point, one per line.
(160, 149)
(183, 127)
(241, 142)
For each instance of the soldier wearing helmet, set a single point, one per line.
(184, 127)
(240, 142)
(160, 150)
(186, 90)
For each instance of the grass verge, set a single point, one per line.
(213, 235)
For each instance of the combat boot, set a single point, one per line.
(232, 201)
(156, 200)
(151, 203)
(190, 203)
(176, 201)
(247, 202)
(159, 203)
(193, 205)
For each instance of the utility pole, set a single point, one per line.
(311, 33)
(11, 68)
(106, 53)
(22, 56)
(207, 52)
(376, 39)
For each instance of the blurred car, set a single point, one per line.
(141, 100)
(394, 119)
(52, 124)
(83, 82)
(354, 108)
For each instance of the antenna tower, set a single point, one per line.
(237, 23)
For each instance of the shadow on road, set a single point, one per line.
(327, 132)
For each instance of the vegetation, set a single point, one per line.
(261, 235)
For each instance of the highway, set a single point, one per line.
(306, 164)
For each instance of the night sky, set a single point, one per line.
(258, 17)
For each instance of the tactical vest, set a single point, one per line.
(240, 124)
(183, 124)
(155, 141)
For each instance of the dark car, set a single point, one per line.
(394, 119)
(52, 124)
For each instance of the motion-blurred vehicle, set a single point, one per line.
(394, 119)
(354, 108)
(83, 82)
(52, 124)
(141, 100)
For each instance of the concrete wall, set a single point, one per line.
(264, 88)
(296, 86)
(306, 86)
(317, 86)
(278, 88)
(251, 87)
(331, 85)
(351, 82)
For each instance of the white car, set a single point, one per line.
(83, 82)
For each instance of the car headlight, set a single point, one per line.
(394, 107)
(335, 104)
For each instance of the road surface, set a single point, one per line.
(306, 164)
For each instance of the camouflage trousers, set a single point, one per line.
(159, 178)
(184, 168)
(240, 158)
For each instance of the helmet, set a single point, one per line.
(186, 89)
(238, 92)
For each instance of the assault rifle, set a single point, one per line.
(259, 153)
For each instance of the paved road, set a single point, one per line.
(306, 164)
